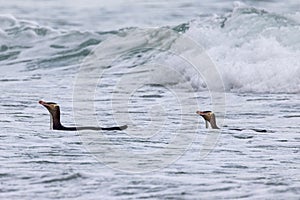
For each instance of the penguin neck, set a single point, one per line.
(213, 122)
(55, 120)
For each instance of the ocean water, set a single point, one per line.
(150, 65)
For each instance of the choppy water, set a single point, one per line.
(147, 73)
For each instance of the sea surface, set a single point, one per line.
(150, 65)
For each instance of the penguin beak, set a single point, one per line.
(43, 103)
(48, 104)
(201, 113)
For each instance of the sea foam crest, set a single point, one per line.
(254, 50)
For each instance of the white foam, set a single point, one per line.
(254, 51)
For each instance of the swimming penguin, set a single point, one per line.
(54, 110)
(210, 119)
